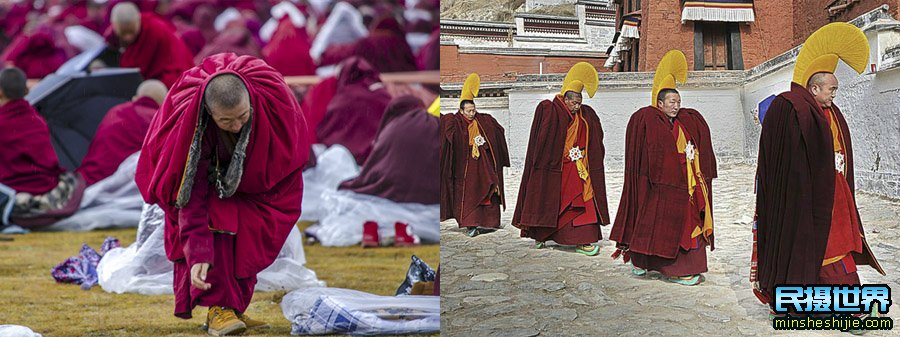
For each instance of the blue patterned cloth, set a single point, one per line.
(82, 268)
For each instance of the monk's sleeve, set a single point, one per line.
(447, 188)
(502, 148)
(537, 125)
(708, 159)
(629, 202)
(193, 219)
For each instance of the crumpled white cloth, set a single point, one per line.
(144, 269)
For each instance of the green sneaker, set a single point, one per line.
(589, 250)
(539, 245)
(690, 281)
(472, 232)
(638, 271)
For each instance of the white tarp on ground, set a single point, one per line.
(114, 202)
(320, 311)
(7, 330)
(333, 165)
(144, 269)
(347, 211)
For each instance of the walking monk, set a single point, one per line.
(473, 154)
(563, 192)
(808, 229)
(665, 221)
(224, 158)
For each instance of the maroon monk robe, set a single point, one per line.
(385, 49)
(472, 189)
(27, 162)
(429, 57)
(404, 163)
(354, 113)
(541, 205)
(250, 218)
(36, 54)
(795, 191)
(657, 233)
(15, 17)
(156, 51)
(119, 135)
(236, 40)
(316, 100)
(288, 50)
(192, 36)
(653, 211)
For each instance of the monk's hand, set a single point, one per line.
(198, 276)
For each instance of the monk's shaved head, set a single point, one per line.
(820, 79)
(13, 83)
(823, 87)
(153, 89)
(225, 91)
(228, 102)
(124, 13)
(573, 95)
(126, 22)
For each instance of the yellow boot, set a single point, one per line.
(223, 322)
(253, 324)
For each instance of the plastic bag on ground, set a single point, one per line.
(7, 330)
(333, 165)
(319, 311)
(144, 269)
(419, 271)
(347, 211)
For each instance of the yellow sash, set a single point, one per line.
(473, 133)
(581, 164)
(694, 177)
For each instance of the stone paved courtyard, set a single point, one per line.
(499, 285)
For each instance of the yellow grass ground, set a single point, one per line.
(30, 297)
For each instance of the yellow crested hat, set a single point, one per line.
(435, 108)
(470, 88)
(821, 51)
(582, 76)
(672, 68)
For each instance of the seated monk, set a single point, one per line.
(354, 113)
(37, 54)
(45, 192)
(121, 132)
(224, 160)
(149, 44)
(288, 51)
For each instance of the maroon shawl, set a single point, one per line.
(288, 51)
(539, 193)
(236, 40)
(316, 101)
(157, 52)
(404, 163)
(119, 135)
(266, 204)
(795, 190)
(37, 54)
(27, 162)
(353, 115)
(460, 194)
(651, 214)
